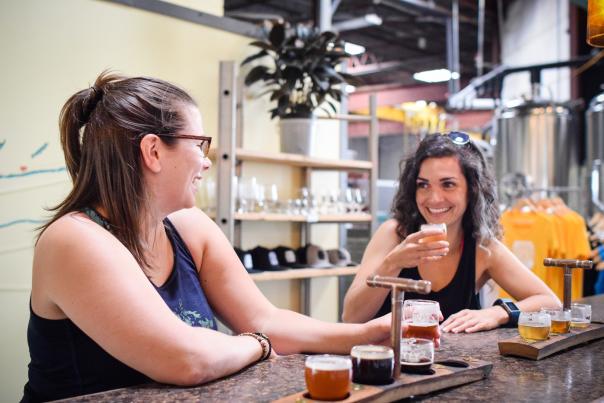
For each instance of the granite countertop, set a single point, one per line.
(573, 375)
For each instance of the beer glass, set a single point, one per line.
(560, 319)
(534, 326)
(421, 317)
(434, 238)
(328, 376)
(595, 23)
(417, 355)
(372, 365)
(580, 315)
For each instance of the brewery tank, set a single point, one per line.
(539, 140)
(594, 123)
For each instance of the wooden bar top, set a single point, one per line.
(575, 375)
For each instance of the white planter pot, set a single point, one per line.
(297, 135)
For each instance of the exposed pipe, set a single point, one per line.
(455, 43)
(480, 50)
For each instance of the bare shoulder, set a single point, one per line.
(193, 224)
(74, 233)
(199, 232)
(492, 253)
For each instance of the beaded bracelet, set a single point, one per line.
(264, 341)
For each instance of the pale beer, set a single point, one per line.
(534, 333)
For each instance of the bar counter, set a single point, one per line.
(575, 375)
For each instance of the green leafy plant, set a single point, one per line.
(303, 76)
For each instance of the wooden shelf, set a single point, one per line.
(356, 217)
(302, 161)
(295, 274)
(349, 117)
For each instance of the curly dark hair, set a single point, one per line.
(481, 217)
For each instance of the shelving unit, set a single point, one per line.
(230, 156)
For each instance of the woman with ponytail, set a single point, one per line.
(129, 277)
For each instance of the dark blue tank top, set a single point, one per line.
(65, 362)
(459, 294)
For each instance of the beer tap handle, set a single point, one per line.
(403, 284)
(570, 263)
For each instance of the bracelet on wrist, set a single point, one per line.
(264, 341)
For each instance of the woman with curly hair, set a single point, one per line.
(447, 181)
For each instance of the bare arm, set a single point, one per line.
(83, 273)
(386, 256)
(242, 306)
(521, 283)
(518, 281)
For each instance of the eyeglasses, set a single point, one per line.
(459, 138)
(204, 144)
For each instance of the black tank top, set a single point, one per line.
(65, 362)
(459, 294)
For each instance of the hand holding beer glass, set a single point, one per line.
(442, 236)
(421, 318)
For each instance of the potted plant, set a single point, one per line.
(301, 79)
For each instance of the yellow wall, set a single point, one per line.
(50, 49)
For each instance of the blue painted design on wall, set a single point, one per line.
(32, 172)
(40, 150)
(20, 221)
(2, 143)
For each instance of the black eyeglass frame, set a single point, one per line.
(204, 140)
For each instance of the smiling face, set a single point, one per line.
(441, 191)
(186, 164)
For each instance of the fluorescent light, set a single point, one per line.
(353, 48)
(435, 76)
(350, 89)
(365, 21)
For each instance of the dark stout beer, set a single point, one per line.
(372, 365)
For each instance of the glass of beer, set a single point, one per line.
(580, 315)
(534, 326)
(434, 238)
(421, 317)
(560, 319)
(417, 355)
(328, 377)
(595, 23)
(372, 365)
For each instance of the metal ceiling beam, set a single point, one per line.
(419, 7)
(368, 20)
(194, 16)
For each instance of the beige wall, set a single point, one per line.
(50, 49)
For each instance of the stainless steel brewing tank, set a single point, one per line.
(594, 117)
(540, 140)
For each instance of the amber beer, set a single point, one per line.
(560, 326)
(421, 331)
(372, 365)
(328, 377)
(434, 238)
(560, 319)
(421, 319)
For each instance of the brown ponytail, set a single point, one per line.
(100, 129)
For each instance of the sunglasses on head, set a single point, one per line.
(459, 138)
(204, 144)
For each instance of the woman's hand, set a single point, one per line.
(470, 320)
(411, 251)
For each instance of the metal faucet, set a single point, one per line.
(568, 265)
(398, 287)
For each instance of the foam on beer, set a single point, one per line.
(370, 352)
(329, 364)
